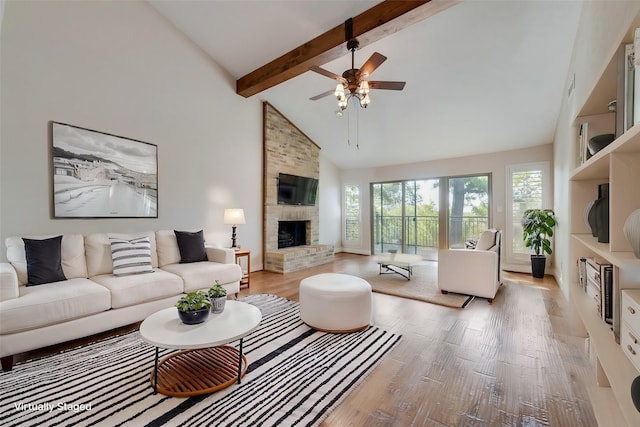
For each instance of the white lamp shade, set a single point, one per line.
(234, 216)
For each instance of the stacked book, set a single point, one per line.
(596, 280)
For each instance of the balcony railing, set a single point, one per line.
(422, 232)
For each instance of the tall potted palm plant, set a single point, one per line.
(537, 228)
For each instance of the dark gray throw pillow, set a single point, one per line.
(191, 246)
(44, 260)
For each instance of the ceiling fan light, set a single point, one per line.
(365, 101)
(363, 88)
(339, 93)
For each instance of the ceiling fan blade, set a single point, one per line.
(372, 63)
(322, 95)
(326, 73)
(387, 85)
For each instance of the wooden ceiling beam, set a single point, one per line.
(371, 25)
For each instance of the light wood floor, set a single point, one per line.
(510, 363)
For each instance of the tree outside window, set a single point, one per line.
(352, 212)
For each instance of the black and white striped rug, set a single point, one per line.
(295, 377)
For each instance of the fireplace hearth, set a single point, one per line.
(292, 233)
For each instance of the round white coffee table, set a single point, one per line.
(206, 365)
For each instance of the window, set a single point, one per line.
(352, 212)
(527, 188)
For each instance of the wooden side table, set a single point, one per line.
(244, 280)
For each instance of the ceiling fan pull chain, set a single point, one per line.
(357, 128)
(349, 127)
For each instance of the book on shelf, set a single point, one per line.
(607, 291)
(582, 273)
(597, 281)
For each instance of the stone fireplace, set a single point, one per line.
(291, 237)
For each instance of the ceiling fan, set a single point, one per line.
(354, 80)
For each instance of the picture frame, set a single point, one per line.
(100, 175)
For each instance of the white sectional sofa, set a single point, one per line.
(92, 299)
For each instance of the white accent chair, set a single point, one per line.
(472, 271)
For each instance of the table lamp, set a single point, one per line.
(233, 217)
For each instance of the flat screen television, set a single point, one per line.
(297, 190)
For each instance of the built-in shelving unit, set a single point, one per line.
(618, 370)
(618, 164)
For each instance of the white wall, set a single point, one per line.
(2, 3)
(494, 163)
(120, 68)
(330, 201)
(601, 30)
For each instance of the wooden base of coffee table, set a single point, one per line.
(200, 371)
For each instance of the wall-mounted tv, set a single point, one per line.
(296, 190)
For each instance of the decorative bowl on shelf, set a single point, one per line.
(598, 142)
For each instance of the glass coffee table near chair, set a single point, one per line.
(205, 364)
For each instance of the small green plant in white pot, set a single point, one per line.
(193, 308)
(218, 297)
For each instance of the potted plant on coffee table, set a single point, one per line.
(218, 296)
(193, 308)
(537, 228)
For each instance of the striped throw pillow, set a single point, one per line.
(131, 256)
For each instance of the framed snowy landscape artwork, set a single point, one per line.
(98, 175)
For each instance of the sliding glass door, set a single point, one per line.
(407, 216)
(387, 209)
(468, 208)
(421, 218)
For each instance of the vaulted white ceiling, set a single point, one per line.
(482, 76)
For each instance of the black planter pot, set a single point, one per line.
(194, 317)
(538, 263)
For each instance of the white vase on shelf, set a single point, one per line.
(632, 231)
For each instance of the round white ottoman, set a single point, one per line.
(335, 302)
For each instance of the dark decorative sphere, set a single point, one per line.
(194, 317)
(598, 142)
(635, 393)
